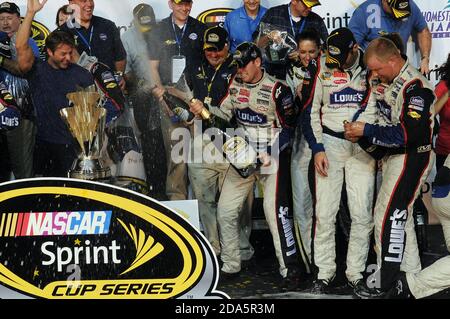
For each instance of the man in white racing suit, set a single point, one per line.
(433, 281)
(401, 134)
(339, 91)
(264, 109)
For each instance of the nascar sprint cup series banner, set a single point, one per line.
(72, 239)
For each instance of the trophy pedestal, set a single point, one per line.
(89, 169)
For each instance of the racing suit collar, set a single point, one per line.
(402, 70)
(252, 85)
(356, 64)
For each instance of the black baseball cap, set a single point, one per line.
(180, 1)
(339, 44)
(9, 7)
(245, 53)
(400, 8)
(145, 16)
(215, 38)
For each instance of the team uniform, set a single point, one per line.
(402, 128)
(337, 98)
(301, 158)
(259, 109)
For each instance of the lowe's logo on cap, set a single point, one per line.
(145, 20)
(237, 55)
(334, 50)
(402, 5)
(212, 37)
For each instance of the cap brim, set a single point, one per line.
(311, 4)
(400, 14)
(145, 28)
(334, 61)
(207, 46)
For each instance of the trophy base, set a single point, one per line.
(89, 169)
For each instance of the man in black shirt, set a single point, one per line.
(96, 36)
(178, 42)
(209, 81)
(294, 18)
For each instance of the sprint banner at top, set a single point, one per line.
(335, 13)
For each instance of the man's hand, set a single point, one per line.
(294, 56)
(34, 6)
(264, 158)
(425, 65)
(353, 130)
(321, 163)
(275, 36)
(196, 106)
(158, 92)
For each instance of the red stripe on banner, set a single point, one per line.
(19, 225)
(26, 218)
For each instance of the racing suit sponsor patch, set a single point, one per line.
(233, 91)
(249, 116)
(414, 115)
(326, 76)
(266, 88)
(397, 236)
(263, 102)
(424, 148)
(278, 92)
(264, 95)
(348, 97)
(244, 92)
(287, 102)
(385, 109)
(338, 74)
(416, 103)
(340, 81)
(242, 99)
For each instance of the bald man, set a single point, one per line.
(398, 122)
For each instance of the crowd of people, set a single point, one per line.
(323, 119)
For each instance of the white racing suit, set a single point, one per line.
(338, 95)
(261, 109)
(436, 277)
(301, 159)
(402, 130)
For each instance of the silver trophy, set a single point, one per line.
(280, 43)
(86, 121)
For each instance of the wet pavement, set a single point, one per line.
(259, 278)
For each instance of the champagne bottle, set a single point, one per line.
(236, 149)
(178, 106)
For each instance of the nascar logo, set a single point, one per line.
(55, 223)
